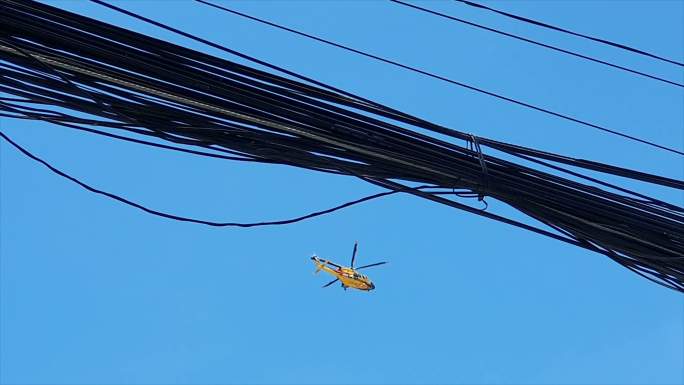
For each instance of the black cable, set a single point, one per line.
(537, 43)
(436, 198)
(445, 79)
(373, 107)
(147, 143)
(187, 219)
(68, 120)
(549, 26)
(222, 48)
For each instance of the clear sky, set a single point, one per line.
(95, 292)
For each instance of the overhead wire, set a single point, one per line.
(64, 119)
(534, 42)
(570, 32)
(376, 108)
(439, 77)
(188, 219)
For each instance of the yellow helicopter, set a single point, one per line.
(348, 276)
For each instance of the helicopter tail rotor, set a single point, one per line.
(318, 262)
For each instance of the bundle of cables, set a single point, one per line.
(78, 72)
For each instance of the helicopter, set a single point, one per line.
(348, 276)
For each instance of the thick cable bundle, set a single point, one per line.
(145, 86)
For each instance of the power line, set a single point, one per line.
(62, 121)
(388, 112)
(188, 219)
(445, 79)
(232, 52)
(394, 188)
(549, 26)
(540, 44)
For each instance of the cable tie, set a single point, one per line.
(483, 186)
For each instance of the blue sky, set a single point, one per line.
(94, 292)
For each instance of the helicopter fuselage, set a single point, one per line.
(347, 276)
